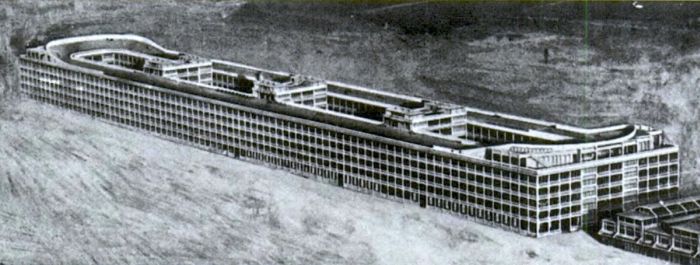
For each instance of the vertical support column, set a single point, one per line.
(673, 243)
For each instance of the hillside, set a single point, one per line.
(75, 190)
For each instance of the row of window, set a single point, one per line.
(688, 243)
(658, 183)
(355, 108)
(664, 158)
(658, 171)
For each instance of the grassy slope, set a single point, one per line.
(74, 190)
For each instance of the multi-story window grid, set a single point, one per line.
(534, 188)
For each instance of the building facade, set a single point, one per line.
(530, 176)
(668, 230)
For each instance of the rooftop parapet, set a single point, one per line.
(184, 67)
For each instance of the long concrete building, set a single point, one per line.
(530, 176)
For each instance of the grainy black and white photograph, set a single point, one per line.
(349, 132)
